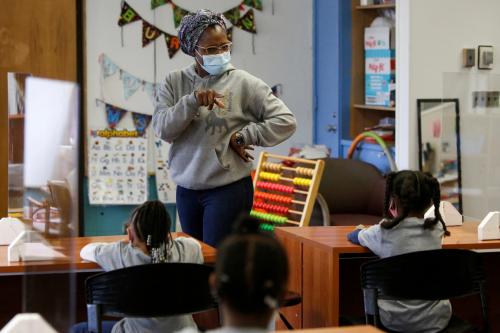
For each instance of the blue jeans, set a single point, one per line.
(209, 215)
(107, 326)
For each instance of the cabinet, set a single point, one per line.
(361, 115)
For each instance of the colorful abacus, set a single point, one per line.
(284, 193)
(277, 219)
(276, 177)
(273, 197)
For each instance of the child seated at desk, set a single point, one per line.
(250, 279)
(408, 196)
(149, 241)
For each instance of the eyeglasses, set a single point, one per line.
(216, 49)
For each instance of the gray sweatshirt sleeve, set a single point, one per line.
(371, 238)
(276, 122)
(170, 119)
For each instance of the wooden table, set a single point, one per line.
(343, 329)
(315, 255)
(71, 248)
(56, 288)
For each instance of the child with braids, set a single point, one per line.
(149, 241)
(409, 194)
(250, 279)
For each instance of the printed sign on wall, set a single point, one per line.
(117, 167)
(164, 184)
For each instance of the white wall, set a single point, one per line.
(283, 46)
(438, 31)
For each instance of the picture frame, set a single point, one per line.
(485, 57)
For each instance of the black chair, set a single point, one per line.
(426, 275)
(153, 290)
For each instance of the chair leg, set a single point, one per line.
(287, 324)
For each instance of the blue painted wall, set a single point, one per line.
(103, 220)
(332, 72)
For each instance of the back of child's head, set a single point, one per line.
(251, 270)
(151, 223)
(414, 191)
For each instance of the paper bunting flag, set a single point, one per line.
(158, 3)
(130, 84)
(141, 121)
(114, 115)
(233, 15)
(149, 33)
(247, 22)
(173, 44)
(179, 13)
(150, 89)
(108, 68)
(257, 4)
(128, 15)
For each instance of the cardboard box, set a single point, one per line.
(380, 80)
(379, 38)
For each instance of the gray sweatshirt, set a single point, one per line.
(408, 236)
(200, 156)
(117, 255)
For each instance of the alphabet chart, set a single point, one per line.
(117, 167)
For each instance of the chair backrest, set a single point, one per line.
(61, 198)
(152, 290)
(352, 187)
(424, 275)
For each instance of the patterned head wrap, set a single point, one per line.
(193, 25)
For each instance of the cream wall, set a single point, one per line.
(431, 36)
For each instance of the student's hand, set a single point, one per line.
(208, 98)
(241, 150)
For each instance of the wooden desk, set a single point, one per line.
(71, 247)
(314, 256)
(56, 288)
(343, 329)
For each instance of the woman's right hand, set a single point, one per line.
(208, 98)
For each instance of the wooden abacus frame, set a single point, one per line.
(316, 172)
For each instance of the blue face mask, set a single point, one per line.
(216, 64)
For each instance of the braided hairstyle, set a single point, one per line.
(251, 270)
(151, 223)
(415, 191)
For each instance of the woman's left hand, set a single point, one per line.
(241, 150)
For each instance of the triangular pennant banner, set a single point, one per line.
(128, 15)
(114, 115)
(151, 91)
(108, 67)
(247, 22)
(130, 84)
(158, 3)
(173, 44)
(179, 13)
(233, 15)
(149, 33)
(141, 121)
(257, 4)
